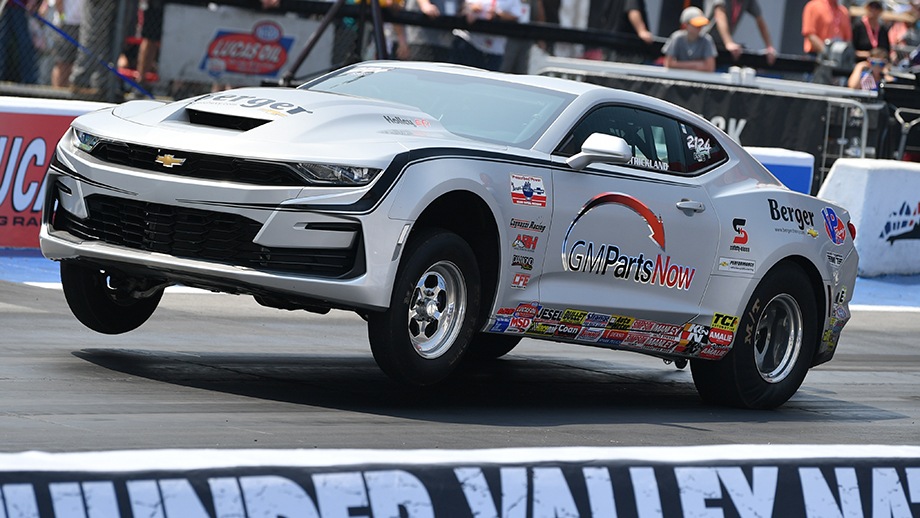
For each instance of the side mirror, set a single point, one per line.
(603, 148)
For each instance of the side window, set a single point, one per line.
(702, 150)
(655, 140)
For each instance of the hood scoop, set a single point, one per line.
(222, 120)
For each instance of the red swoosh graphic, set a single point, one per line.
(654, 223)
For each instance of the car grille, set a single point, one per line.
(197, 165)
(197, 234)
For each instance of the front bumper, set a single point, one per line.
(219, 235)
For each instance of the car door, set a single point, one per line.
(639, 239)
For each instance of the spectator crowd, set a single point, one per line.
(39, 38)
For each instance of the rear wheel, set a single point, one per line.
(420, 339)
(108, 302)
(773, 347)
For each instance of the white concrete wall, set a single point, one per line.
(883, 197)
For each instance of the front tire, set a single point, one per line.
(773, 347)
(106, 302)
(491, 346)
(423, 335)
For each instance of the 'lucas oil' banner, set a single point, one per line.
(568, 482)
(29, 131)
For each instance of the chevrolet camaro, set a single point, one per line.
(458, 211)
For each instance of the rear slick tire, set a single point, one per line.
(420, 339)
(773, 347)
(94, 297)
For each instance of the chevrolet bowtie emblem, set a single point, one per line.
(169, 160)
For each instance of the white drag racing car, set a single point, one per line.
(458, 211)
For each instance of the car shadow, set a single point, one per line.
(513, 391)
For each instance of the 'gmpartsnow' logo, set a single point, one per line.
(263, 52)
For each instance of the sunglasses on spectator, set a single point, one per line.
(877, 62)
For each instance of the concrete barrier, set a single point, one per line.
(29, 131)
(718, 480)
(883, 197)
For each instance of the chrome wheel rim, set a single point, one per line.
(778, 339)
(436, 309)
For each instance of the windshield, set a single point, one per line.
(483, 109)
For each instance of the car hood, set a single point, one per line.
(277, 123)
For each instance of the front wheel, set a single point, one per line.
(108, 302)
(421, 337)
(773, 347)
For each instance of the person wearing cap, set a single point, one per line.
(869, 32)
(727, 14)
(687, 48)
(823, 21)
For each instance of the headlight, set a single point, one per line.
(337, 174)
(84, 141)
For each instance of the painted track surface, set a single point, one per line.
(221, 371)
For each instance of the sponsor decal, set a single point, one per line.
(415, 123)
(841, 296)
(528, 190)
(613, 336)
(522, 261)
(727, 264)
(520, 280)
(505, 312)
(725, 322)
(596, 320)
(524, 224)
(550, 315)
(500, 325)
(263, 52)
(903, 223)
(720, 337)
(542, 328)
(609, 259)
(620, 322)
(834, 259)
(525, 243)
(604, 258)
(693, 338)
(573, 316)
(835, 228)
(741, 237)
(648, 326)
(713, 352)
(801, 217)
(644, 341)
(567, 331)
(527, 310)
(590, 334)
(519, 325)
(264, 104)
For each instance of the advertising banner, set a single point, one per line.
(29, 131)
(229, 46)
(488, 483)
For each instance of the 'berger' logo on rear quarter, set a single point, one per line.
(169, 160)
